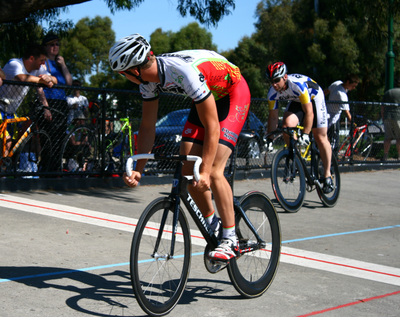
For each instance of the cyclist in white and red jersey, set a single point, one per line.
(307, 105)
(221, 100)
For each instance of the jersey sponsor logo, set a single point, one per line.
(240, 116)
(201, 77)
(185, 58)
(199, 214)
(175, 182)
(229, 135)
(188, 131)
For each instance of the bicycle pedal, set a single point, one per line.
(213, 266)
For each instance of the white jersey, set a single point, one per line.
(194, 73)
(301, 89)
(16, 94)
(335, 109)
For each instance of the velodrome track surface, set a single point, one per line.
(67, 254)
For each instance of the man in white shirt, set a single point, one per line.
(339, 93)
(77, 102)
(28, 69)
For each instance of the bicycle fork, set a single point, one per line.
(247, 246)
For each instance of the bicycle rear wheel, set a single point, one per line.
(329, 199)
(362, 150)
(253, 272)
(288, 181)
(34, 153)
(277, 143)
(82, 157)
(158, 277)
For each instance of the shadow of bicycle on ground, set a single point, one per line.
(108, 294)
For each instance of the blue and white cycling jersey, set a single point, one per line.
(301, 89)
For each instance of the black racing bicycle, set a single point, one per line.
(161, 246)
(295, 170)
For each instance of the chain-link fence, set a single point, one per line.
(78, 132)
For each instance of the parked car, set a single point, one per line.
(169, 134)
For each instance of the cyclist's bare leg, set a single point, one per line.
(290, 120)
(221, 189)
(325, 149)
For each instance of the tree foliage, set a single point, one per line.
(86, 47)
(342, 37)
(191, 36)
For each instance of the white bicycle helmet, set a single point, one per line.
(130, 51)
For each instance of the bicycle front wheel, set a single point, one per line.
(362, 149)
(329, 199)
(288, 180)
(34, 153)
(253, 272)
(158, 276)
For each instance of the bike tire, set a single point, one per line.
(158, 283)
(253, 272)
(34, 153)
(363, 148)
(329, 199)
(278, 142)
(79, 157)
(288, 181)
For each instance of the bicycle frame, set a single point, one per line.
(353, 140)
(179, 193)
(121, 131)
(309, 151)
(3, 129)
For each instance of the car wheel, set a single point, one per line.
(253, 149)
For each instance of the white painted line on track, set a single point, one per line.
(314, 260)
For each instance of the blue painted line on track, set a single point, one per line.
(193, 254)
(341, 234)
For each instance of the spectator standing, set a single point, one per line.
(339, 93)
(56, 97)
(77, 102)
(332, 87)
(30, 68)
(391, 119)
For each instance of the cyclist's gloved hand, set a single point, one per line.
(304, 140)
(268, 146)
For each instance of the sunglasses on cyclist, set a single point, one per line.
(275, 80)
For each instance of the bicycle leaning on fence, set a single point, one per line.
(295, 170)
(82, 148)
(31, 152)
(358, 144)
(161, 246)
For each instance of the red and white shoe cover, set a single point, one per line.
(224, 252)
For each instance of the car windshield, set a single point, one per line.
(173, 119)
